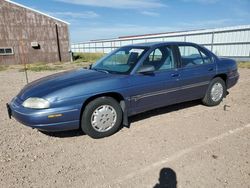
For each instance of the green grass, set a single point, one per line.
(87, 57)
(244, 65)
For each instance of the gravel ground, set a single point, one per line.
(196, 146)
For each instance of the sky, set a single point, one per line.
(102, 19)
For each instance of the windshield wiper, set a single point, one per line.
(100, 70)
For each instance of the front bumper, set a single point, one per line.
(53, 119)
(232, 80)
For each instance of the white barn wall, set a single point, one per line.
(225, 42)
(178, 39)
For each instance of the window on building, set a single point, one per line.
(6, 51)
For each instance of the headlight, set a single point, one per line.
(36, 103)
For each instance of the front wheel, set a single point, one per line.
(215, 92)
(102, 117)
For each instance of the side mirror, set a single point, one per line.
(146, 69)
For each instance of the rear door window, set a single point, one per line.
(205, 57)
(190, 56)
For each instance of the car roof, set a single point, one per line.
(155, 44)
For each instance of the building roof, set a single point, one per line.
(37, 11)
(151, 44)
(188, 32)
(163, 33)
(172, 34)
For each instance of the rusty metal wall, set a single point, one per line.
(20, 26)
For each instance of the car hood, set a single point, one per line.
(49, 84)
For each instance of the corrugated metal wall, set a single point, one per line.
(225, 42)
(20, 26)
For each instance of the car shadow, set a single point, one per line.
(167, 179)
(163, 110)
(65, 134)
(132, 119)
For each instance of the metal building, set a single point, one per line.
(28, 36)
(231, 42)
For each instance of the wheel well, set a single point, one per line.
(114, 95)
(117, 96)
(223, 77)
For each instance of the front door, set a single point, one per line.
(157, 88)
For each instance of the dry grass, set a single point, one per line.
(41, 66)
(3, 67)
(87, 57)
(244, 65)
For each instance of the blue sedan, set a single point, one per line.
(128, 81)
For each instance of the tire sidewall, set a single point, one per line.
(208, 98)
(91, 107)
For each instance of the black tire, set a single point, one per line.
(208, 100)
(86, 124)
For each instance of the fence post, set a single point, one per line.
(212, 43)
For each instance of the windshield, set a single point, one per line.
(121, 61)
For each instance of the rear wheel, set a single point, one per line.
(102, 117)
(215, 92)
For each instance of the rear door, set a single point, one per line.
(196, 69)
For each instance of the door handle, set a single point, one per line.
(211, 69)
(175, 75)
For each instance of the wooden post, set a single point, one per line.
(23, 61)
(58, 44)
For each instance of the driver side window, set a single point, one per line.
(161, 59)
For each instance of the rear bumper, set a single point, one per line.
(50, 120)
